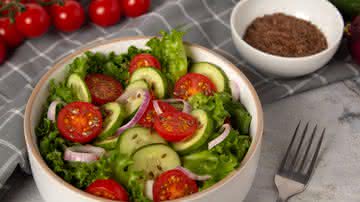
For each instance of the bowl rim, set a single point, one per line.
(277, 57)
(61, 62)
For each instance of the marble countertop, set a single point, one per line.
(336, 178)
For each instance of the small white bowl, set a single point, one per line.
(319, 12)
(232, 188)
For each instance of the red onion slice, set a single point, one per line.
(51, 114)
(86, 153)
(140, 112)
(149, 189)
(226, 127)
(193, 175)
(187, 107)
(157, 108)
(235, 90)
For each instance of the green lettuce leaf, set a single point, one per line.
(59, 91)
(214, 105)
(220, 160)
(170, 51)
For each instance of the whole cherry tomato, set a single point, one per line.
(2, 52)
(105, 12)
(9, 33)
(34, 21)
(134, 8)
(68, 17)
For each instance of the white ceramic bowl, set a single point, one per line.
(233, 188)
(320, 12)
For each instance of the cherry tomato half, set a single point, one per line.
(79, 122)
(103, 88)
(147, 120)
(175, 126)
(105, 12)
(108, 189)
(9, 33)
(68, 17)
(144, 60)
(134, 8)
(173, 184)
(193, 83)
(34, 21)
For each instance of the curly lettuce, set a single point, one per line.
(170, 51)
(220, 160)
(112, 64)
(52, 147)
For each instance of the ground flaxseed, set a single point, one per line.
(285, 35)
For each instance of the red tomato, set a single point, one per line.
(175, 126)
(147, 120)
(34, 21)
(46, 4)
(79, 122)
(9, 33)
(144, 60)
(105, 12)
(108, 189)
(193, 83)
(173, 184)
(4, 2)
(2, 52)
(134, 8)
(68, 17)
(103, 88)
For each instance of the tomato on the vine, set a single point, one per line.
(134, 8)
(34, 21)
(68, 17)
(9, 33)
(105, 12)
(12, 8)
(2, 52)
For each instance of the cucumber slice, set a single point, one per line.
(214, 73)
(79, 88)
(134, 138)
(154, 159)
(139, 84)
(115, 116)
(201, 135)
(108, 144)
(155, 79)
(133, 103)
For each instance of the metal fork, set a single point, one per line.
(294, 172)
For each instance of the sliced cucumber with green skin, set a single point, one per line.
(108, 143)
(214, 73)
(155, 79)
(134, 138)
(133, 103)
(139, 84)
(155, 159)
(79, 88)
(201, 134)
(114, 118)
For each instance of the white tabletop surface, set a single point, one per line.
(337, 175)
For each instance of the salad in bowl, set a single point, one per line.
(148, 124)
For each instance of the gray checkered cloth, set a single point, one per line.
(207, 24)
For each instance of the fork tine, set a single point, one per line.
(292, 165)
(289, 147)
(308, 148)
(313, 161)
